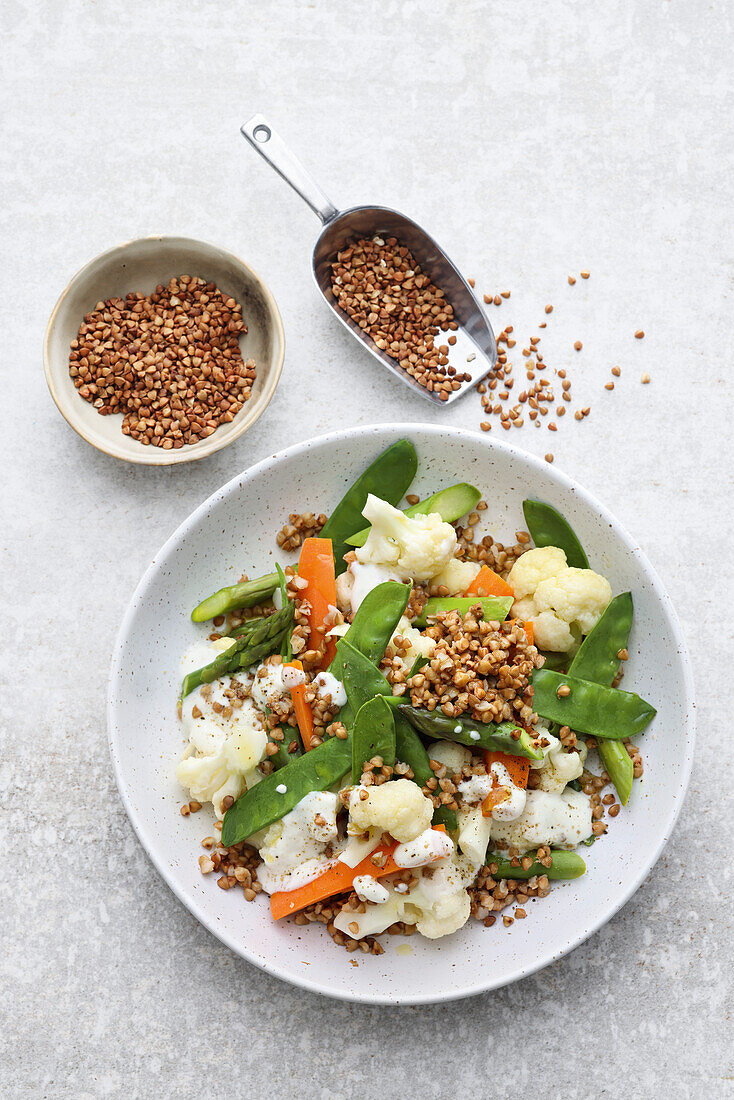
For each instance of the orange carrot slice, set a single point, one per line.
(302, 708)
(517, 766)
(336, 880)
(488, 583)
(316, 566)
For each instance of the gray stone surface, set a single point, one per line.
(533, 140)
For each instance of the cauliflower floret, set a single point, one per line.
(455, 757)
(456, 576)
(417, 549)
(561, 602)
(576, 596)
(441, 903)
(399, 808)
(560, 768)
(560, 820)
(420, 644)
(550, 632)
(224, 748)
(535, 566)
(447, 915)
(294, 849)
(437, 906)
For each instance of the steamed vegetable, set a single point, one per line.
(302, 709)
(362, 681)
(450, 504)
(598, 660)
(316, 567)
(388, 477)
(376, 619)
(488, 583)
(373, 734)
(565, 865)
(410, 750)
(266, 638)
(263, 804)
(236, 596)
(506, 737)
(547, 527)
(589, 708)
(494, 608)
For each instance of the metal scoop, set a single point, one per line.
(475, 350)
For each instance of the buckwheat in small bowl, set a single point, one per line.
(163, 350)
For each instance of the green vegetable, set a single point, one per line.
(388, 477)
(597, 661)
(496, 736)
(261, 805)
(565, 865)
(373, 734)
(547, 527)
(362, 681)
(494, 608)
(282, 756)
(557, 662)
(410, 750)
(451, 504)
(246, 594)
(376, 619)
(264, 639)
(418, 664)
(286, 651)
(590, 708)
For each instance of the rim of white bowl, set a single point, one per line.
(198, 909)
(155, 456)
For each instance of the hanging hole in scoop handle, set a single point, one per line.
(271, 148)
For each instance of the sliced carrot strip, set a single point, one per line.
(302, 708)
(316, 566)
(488, 583)
(336, 880)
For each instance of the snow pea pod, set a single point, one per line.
(495, 736)
(450, 504)
(282, 756)
(565, 865)
(597, 661)
(547, 527)
(373, 734)
(494, 608)
(388, 477)
(557, 662)
(265, 803)
(410, 750)
(245, 594)
(376, 619)
(362, 681)
(590, 708)
(264, 639)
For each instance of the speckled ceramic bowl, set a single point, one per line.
(235, 530)
(141, 265)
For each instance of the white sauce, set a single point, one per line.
(368, 888)
(327, 684)
(292, 677)
(426, 848)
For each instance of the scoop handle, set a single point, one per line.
(273, 149)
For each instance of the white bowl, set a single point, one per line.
(235, 530)
(141, 265)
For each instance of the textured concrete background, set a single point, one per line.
(533, 140)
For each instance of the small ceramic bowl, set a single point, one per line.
(141, 265)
